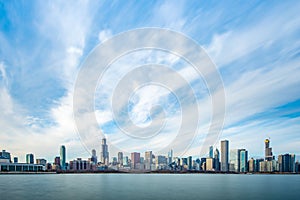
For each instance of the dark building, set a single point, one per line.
(30, 159)
(217, 160)
(63, 157)
(286, 163)
(94, 158)
(257, 164)
(57, 160)
(5, 155)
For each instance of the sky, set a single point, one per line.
(254, 45)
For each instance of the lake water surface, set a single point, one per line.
(149, 186)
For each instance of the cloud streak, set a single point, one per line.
(40, 57)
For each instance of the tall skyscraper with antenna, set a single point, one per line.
(104, 153)
(268, 150)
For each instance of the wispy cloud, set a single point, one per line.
(40, 55)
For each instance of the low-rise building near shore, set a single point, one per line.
(20, 167)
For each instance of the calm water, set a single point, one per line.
(149, 186)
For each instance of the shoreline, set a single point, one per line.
(146, 172)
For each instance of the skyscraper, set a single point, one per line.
(63, 157)
(251, 165)
(286, 163)
(161, 162)
(57, 160)
(125, 161)
(224, 155)
(211, 152)
(135, 160)
(292, 163)
(170, 156)
(104, 152)
(268, 151)
(234, 160)
(190, 162)
(243, 160)
(217, 160)
(209, 164)
(30, 158)
(148, 160)
(120, 158)
(94, 157)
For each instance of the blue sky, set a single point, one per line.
(255, 46)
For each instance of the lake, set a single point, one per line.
(149, 186)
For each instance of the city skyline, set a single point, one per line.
(224, 157)
(44, 44)
(231, 161)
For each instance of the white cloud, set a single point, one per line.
(104, 35)
(253, 92)
(66, 34)
(170, 14)
(234, 44)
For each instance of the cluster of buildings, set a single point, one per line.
(225, 160)
(6, 163)
(236, 160)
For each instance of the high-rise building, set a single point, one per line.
(210, 164)
(170, 156)
(142, 160)
(211, 152)
(243, 160)
(268, 151)
(258, 164)
(114, 161)
(297, 167)
(30, 158)
(224, 155)
(251, 165)
(63, 157)
(293, 163)
(94, 158)
(234, 160)
(57, 161)
(135, 160)
(148, 160)
(120, 158)
(80, 165)
(161, 162)
(183, 162)
(203, 164)
(104, 153)
(217, 160)
(190, 162)
(286, 163)
(125, 161)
